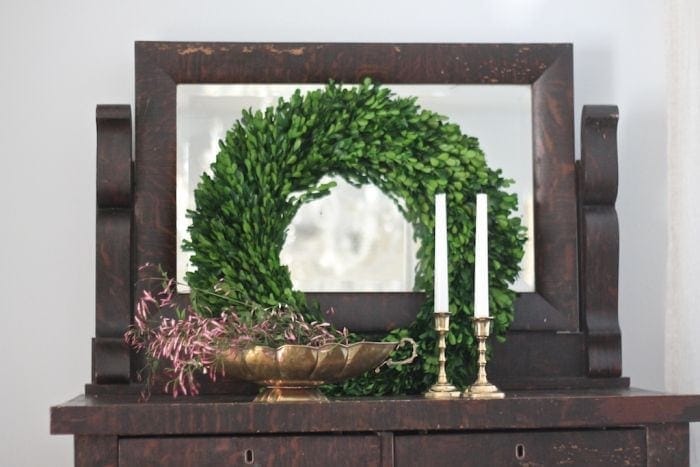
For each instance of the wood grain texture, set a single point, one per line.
(599, 240)
(162, 415)
(556, 275)
(113, 284)
(559, 340)
(368, 312)
(668, 445)
(571, 448)
(311, 451)
(230, 387)
(111, 361)
(599, 179)
(96, 451)
(386, 440)
(161, 66)
(114, 175)
(515, 358)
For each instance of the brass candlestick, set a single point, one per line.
(482, 389)
(442, 389)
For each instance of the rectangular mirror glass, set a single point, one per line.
(328, 248)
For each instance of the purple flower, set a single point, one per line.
(196, 343)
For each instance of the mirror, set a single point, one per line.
(353, 240)
(345, 257)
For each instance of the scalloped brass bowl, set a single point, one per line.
(294, 372)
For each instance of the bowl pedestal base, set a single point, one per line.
(290, 394)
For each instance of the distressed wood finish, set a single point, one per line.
(548, 68)
(111, 361)
(559, 340)
(114, 178)
(387, 449)
(526, 410)
(360, 311)
(91, 451)
(595, 427)
(668, 445)
(599, 239)
(160, 67)
(311, 451)
(571, 448)
(113, 289)
(556, 276)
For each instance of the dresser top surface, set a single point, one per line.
(163, 415)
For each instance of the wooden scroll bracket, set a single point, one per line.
(113, 290)
(597, 174)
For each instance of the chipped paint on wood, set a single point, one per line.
(196, 49)
(296, 51)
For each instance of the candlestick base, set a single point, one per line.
(442, 391)
(482, 388)
(483, 391)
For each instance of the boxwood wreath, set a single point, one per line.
(270, 164)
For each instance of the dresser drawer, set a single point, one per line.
(285, 451)
(531, 448)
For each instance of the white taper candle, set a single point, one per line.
(481, 254)
(441, 289)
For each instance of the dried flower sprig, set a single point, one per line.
(192, 343)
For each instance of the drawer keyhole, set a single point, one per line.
(248, 456)
(520, 451)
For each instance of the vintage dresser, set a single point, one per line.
(567, 402)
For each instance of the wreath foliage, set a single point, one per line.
(270, 164)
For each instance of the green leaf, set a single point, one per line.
(270, 162)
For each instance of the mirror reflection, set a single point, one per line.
(355, 239)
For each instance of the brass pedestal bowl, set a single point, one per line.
(292, 373)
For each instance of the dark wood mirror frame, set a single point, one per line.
(549, 344)
(566, 337)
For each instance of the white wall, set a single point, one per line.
(59, 59)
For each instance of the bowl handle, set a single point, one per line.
(414, 353)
